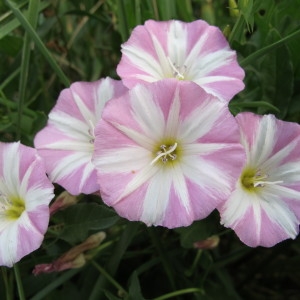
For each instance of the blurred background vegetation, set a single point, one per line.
(46, 45)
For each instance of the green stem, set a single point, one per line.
(194, 265)
(115, 259)
(162, 253)
(55, 284)
(109, 278)
(6, 284)
(19, 282)
(254, 56)
(180, 292)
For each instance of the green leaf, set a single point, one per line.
(135, 288)
(277, 76)
(79, 219)
(10, 45)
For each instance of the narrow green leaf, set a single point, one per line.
(277, 76)
(8, 27)
(135, 292)
(38, 42)
(32, 20)
(261, 52)
(254, 104)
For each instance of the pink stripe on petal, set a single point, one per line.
(269, 233)
(39, 218)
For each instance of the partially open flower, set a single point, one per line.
(167, 153)
(192, 51)
(67, 142)
(25, 193)
(264, 207)
(62, 201)
(72, 259)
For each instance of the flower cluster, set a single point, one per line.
(159, 146)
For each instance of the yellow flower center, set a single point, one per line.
(12, 208)
(253, 180)
(166, 153)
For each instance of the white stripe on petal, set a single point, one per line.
(236, 206)
(177, 43)
(9, 244)
(200, 121)
(202, 149)
(181, 188)
(141, 177)
(276, 190)
(85, 112)
(288, 173)
(143, 61)
(147, 113)
(274, 161)
(173, 121)
(122, 160)
(137, 137)
(157, 198)
(69, 164)
(68, 125)
(11, 167)
(279, 213)
(204, 174)
(203, 66)
(264, 141)
(101, 94)
(70, 145)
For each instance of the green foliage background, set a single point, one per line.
(46, 45)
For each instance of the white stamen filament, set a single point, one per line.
(165, 153)
(91, 131)
(176, 71)
(261, 182)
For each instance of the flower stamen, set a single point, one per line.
(252, 179)
(175, 68)
(165, 154)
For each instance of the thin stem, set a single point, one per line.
(195, 263)
(19, 282)
(109, 278)
(180, 292)
(162, 253)
(6, 284)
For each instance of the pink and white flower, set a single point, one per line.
(192, 51)
(67, 142)
(25, 193)
(264, 208)
(166, 153)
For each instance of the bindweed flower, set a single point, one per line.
(67, 142)
(166, 153)
(192, 51)
(264, 207)
(25, 193)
